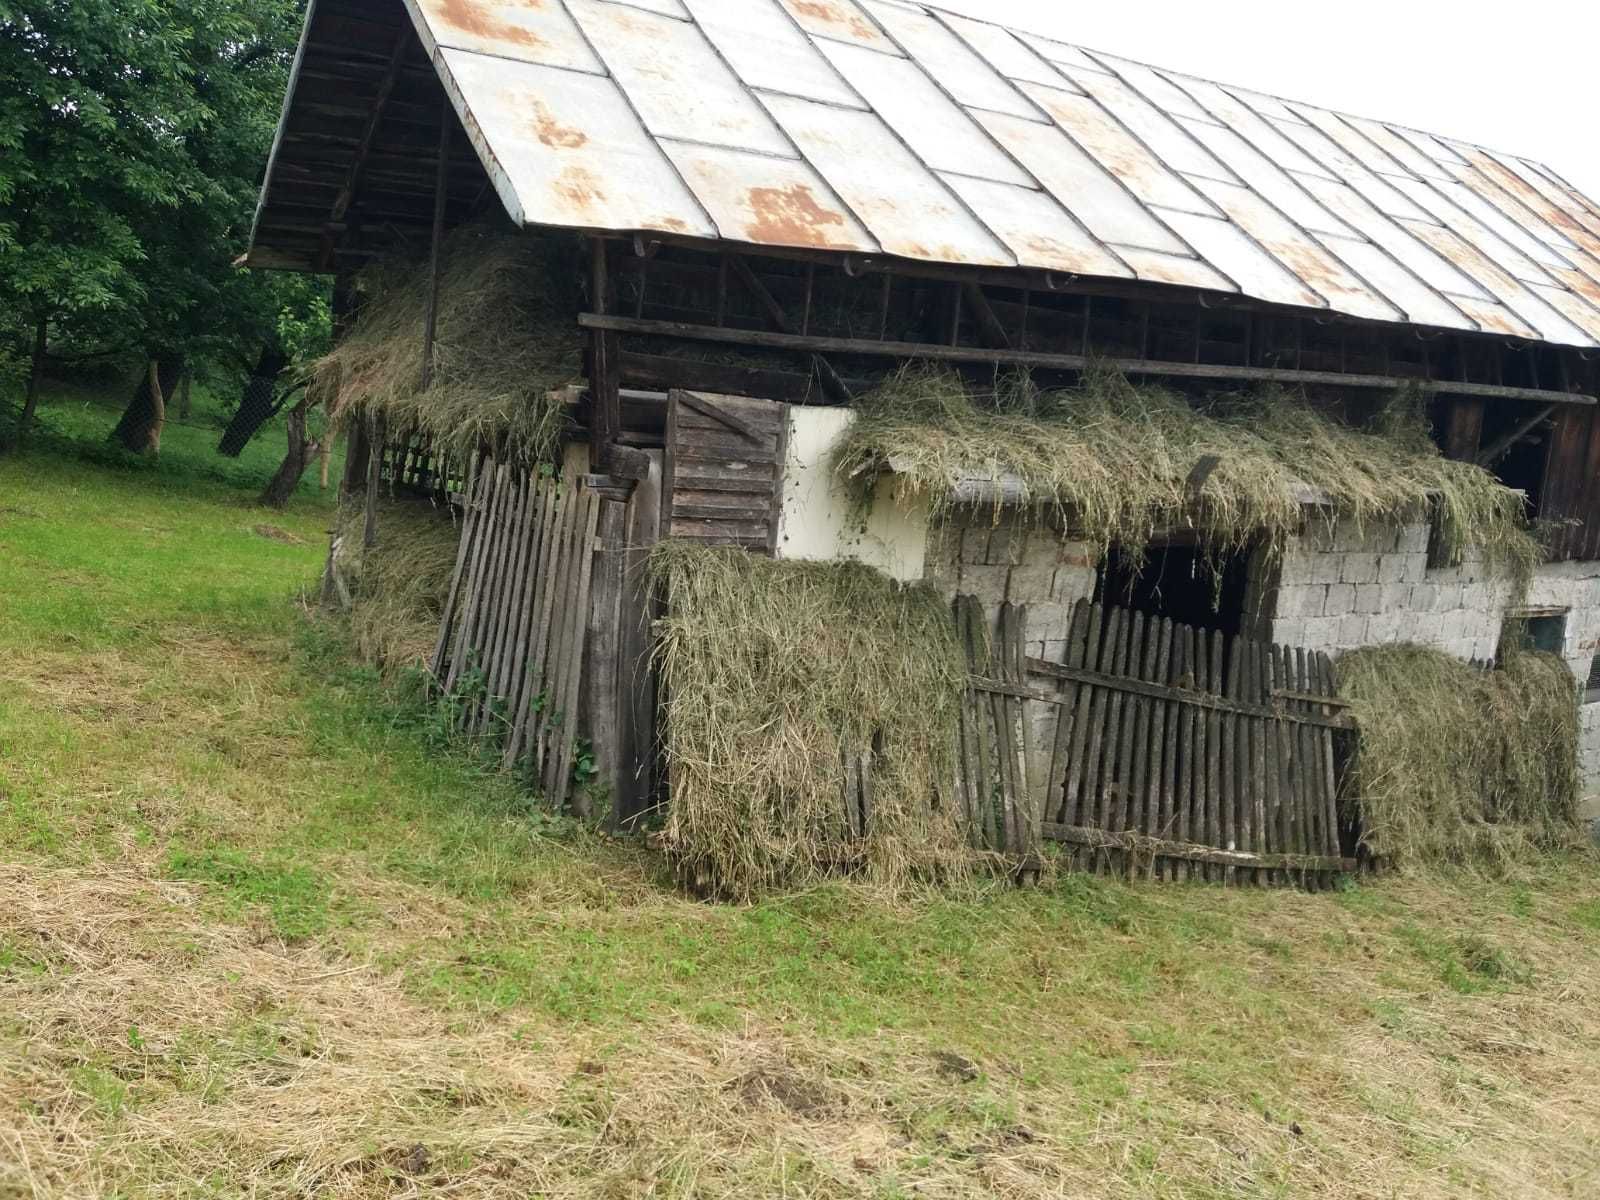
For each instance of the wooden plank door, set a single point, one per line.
(724, 470)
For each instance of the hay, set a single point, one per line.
(399, 587)
(1118, 462)
(774, 673)
(1459, 765)
(506, 338)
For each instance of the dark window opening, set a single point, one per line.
(1521, 465)
(1182, 583)
(1542, 631)
(1591, 690)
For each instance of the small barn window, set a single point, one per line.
(1535, 629)
(1179, 580)
(1591, 690)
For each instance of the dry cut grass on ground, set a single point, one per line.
(257, 940)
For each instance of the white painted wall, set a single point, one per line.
(821, 522)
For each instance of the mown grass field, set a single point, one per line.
(257, 939)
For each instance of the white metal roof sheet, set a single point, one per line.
(887, 126)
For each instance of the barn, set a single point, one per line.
(1110, 357)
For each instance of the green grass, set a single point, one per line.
(257, 937)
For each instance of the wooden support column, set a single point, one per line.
(602, 676)
(369, 534)
(441, 202)
(605, 420)
(1464, 429)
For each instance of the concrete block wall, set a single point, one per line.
(1023, 562)
(1344, 587)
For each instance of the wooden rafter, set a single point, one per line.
(369, 135)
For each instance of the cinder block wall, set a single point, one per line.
(1348, 587)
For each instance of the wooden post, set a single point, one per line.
(605, 422)
(602, 710)
(636, 775)
(1464, 430)
(441, 202)
(369, 536)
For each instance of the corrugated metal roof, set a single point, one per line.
(889, 127)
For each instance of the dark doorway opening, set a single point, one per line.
(1523, 464)
(1181, 582)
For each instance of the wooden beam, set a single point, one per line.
(369, 134)
(1138, 844)
(1464, 429)
(441, 202)
(605, 417)
(994, 333)
(835, 387)
(1522, 430)
(1064, 362)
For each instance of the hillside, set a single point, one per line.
(258, 938)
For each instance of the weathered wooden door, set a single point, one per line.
(1175, 752)
(724, 470)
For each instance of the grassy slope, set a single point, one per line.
(255, 940)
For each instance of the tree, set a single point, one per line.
(132, 137)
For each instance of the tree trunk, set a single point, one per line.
(158, 411)
(185, 386)
(325, 458)
(278, 492)
(259, 403)
(30, 404)
(142, 415)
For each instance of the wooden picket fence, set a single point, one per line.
(1176, 752)
(512, 637)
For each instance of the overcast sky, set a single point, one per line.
(1513, 77)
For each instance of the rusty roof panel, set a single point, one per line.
(1419, 302)
(1442, 208)
(887, 126)
(536, 33)
(1277, 186)
(1476, 195)
(933, 125)
(839, 20)
(1037, 230)
(1582, 313)
(768, 201)
(1494, 317)
(902, 204)
(1344, 201)
(1227, 109)
(766, 49)
(1004, 51)
(1256, 273)
(1299, 252)
(1345, 166)
(948, 59)
(564, 148)
(1155, 87)
(1169, 141)
(1113, 147)
(1182, 270)
(1080, 184)
(675, 79)
(1548, 323)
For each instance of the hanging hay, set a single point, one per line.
(1117, 462)
(775, 673)
(397, 589)
(1459, 765)
(506, 338)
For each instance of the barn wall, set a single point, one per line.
(1346, 588)
(821, 521)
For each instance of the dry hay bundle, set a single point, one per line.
(1118, 462)
(506, 337)
(1460, 765)
(397, 589)
(775, 673)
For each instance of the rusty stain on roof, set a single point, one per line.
(791, 216)
(889, 127)
(553, 133)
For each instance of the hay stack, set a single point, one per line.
(1118, 462)
(775, 673)
(397, 590)
(1459, 765)
(506, 338)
